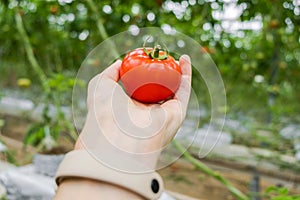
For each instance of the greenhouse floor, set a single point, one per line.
(180, 177)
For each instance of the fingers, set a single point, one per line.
(112, 72)
(78, 145)
(182, 95)
(185, 65)
(183, 92)
(176, 107)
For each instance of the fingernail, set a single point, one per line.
(186, 58)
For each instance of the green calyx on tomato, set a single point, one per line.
(150, 75)
(155, 53)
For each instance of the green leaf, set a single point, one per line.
(34, 135)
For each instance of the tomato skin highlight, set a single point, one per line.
(147, 79)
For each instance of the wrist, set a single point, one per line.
(94, 189)
(81, 164)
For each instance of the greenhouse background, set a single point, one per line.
(253, 43)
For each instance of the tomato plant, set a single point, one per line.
(150, 75)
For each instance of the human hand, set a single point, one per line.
(125, 134)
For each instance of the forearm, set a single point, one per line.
(79, 189)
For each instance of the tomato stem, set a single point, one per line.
(155, 53)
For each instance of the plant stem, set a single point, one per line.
(99, 20)
(100, 26)
(29, 51)
(37, 68)
(199, 165)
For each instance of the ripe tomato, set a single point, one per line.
(150, 75)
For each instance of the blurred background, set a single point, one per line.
(254, 43)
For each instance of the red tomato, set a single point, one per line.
(150, 75)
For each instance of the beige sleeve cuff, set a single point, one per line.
(79, 163)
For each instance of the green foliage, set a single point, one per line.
(3, 198)
(61, 88)
(2, 122)
(59, 83)
(62, 33)
(280, 193)
(34, 135)
(11, 157)
(40, 134)
(54, 119)
(257, 65)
